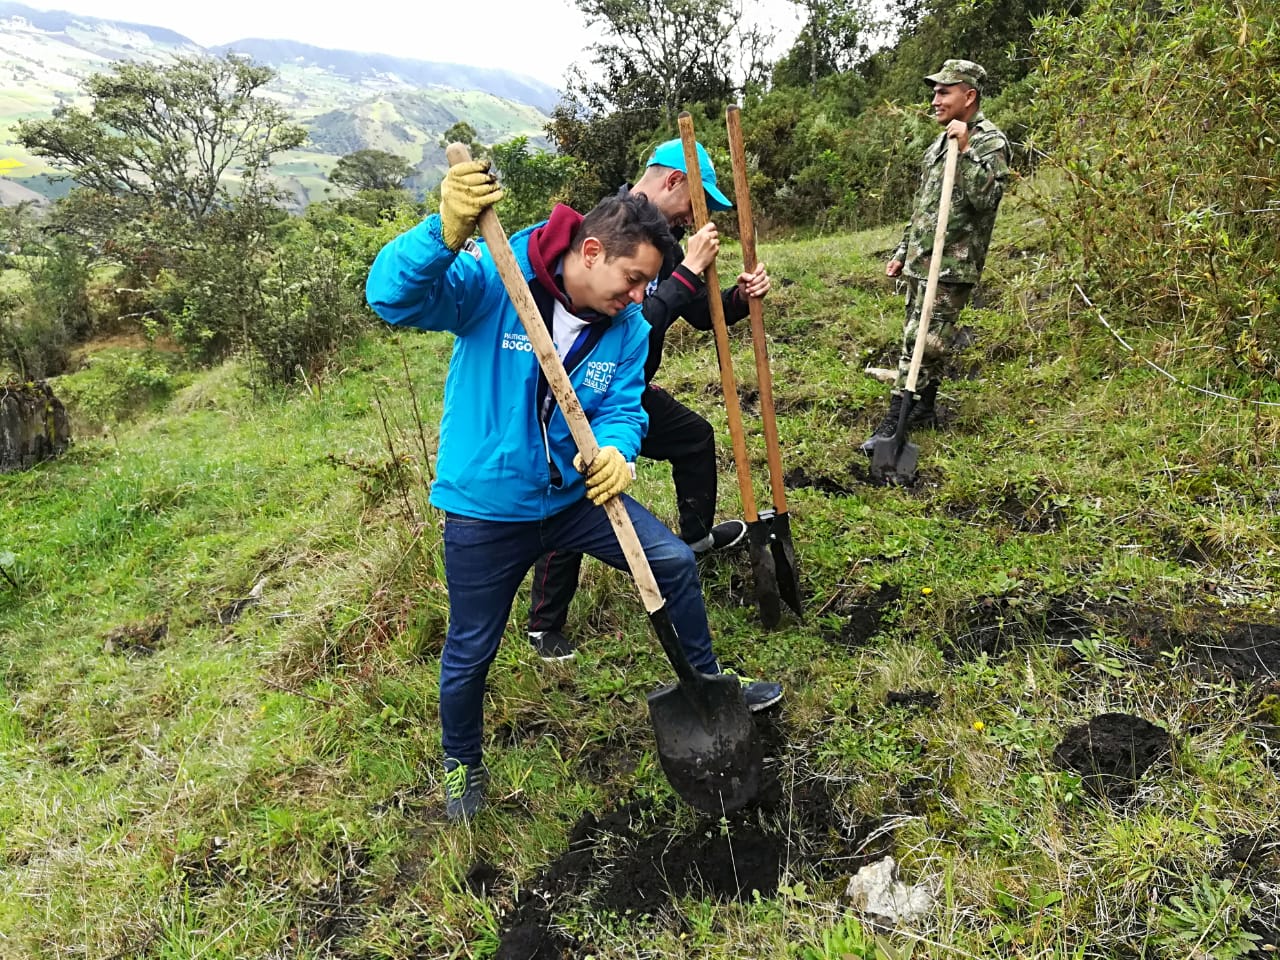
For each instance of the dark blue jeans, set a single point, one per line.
(485, 562)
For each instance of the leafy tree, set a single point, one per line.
(531, 180)
(833, 39)
(463, 132)
(371, 170)
(168, 136)
(656, 57)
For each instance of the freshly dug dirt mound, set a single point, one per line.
(1112, 751)
(632, 863)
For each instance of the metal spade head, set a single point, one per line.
(784, 562)
(893, 461)
(707, 743)
(763, 573)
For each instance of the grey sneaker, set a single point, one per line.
(551, 644)
(463, 788)
(759, 694)
(722, 537)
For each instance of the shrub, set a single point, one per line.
(1161, 117)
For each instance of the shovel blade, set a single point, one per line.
(894, 462)
(707, 743)
(763, 572)
(784, 562)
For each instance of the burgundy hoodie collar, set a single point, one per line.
(548, 244)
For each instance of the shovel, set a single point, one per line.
(893, 459)
(771, 527)
(762, 567)
(706, 738)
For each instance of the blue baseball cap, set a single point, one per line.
(671, 154)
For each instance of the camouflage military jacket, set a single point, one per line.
(981, 172)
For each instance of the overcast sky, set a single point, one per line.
(486, 33)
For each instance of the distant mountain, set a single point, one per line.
(380, 68)
(346, 100)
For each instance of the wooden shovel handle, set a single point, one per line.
(764, 374)
(935, 262)
(728, 386)
(561, 387)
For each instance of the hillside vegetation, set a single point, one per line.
(219, 733)
(1044, 678)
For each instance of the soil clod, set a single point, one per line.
(1112, 751)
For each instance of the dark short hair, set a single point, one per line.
(622, 223)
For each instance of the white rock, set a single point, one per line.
(876, 890)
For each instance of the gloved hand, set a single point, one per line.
(466, 191)
(607, 476)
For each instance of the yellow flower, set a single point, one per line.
(979, 725)
(926, 590)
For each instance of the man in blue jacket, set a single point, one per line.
(676, 433)
(508, 477)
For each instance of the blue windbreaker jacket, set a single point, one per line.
(494, 461)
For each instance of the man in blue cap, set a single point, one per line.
(676, 434)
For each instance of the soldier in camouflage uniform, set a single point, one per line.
(981, 171)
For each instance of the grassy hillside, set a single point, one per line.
(218, 730)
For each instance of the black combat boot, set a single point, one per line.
(923, 414)
(888, 425)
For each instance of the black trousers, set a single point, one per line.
(677, 435)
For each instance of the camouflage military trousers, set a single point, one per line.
(947, 304)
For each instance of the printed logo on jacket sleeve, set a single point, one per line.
(599, 375)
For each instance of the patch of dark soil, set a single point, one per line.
(913, 796)
(137, 638)
(991, 626)
(912, 699)
(1245, 652)
(534, 939)
(1041, 515)
(1266, 927)
(1251, 855)
(1112, 751)
(481, 878)
(799, 477)
(602, 762)
(335, 910)
(864, 616)
(632, 862)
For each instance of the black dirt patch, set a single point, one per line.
(481, 878)
(799, 478)
(1112, 751)
(912, 699)
(1246, 652)
(991, 626)
(136, 638)
(864, 616)
(533, 940)
(602, 762)
(1041, 515)
(632, 862)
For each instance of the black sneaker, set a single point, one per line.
(759, 694)
(463, 788)
(722, 537)
(551, 645)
